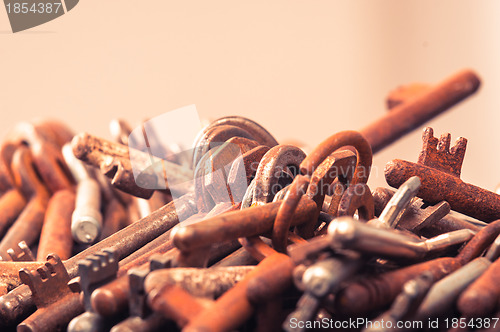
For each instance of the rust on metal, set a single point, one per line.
(439, 167)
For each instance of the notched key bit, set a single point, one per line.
(137, 297)
(96, 270)
(48, 282)
(93, 271)
(21, 253)
(438, 155)
(56, 303)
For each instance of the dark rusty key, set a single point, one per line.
(114, 160)
(373, 292)
(56, 303)
(405, 304)
(270, 278)
(55, 237)
(19, 302)
(439, 167)
(480, 299)
(235, 224)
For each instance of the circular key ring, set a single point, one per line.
(335, 142)
(272, 164)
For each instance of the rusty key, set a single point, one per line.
(114, 160)
(93, 271)
(57, 304)
(480, 299)
(28, 225)
(19, 302)
(416, 111)
(12, 201)
(439, 167)
(55, 237)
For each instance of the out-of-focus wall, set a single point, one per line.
(304, 70)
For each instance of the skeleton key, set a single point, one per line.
(438, 168)
(93, 271)
(115, 161)
(443, 294)
(348, 233)
(422, 218)
(56, 302)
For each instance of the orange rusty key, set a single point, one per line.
(56, 231)
(44, 144)
(127, 242)
(12, 201)
(416, 111)
(28, 225)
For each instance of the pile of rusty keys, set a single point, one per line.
(303, 244)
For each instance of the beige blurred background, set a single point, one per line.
(304, 70)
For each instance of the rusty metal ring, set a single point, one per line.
(337, 141)
(252, 127)
(216, 136)
(286, 210)
(267, 176)
(338, 165)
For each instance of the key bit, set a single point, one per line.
(56, 302)
(93, 272)
(438, 155)
(48, 283)
(137, 295)
(423, 218)
(96, 270)
(21, 253)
